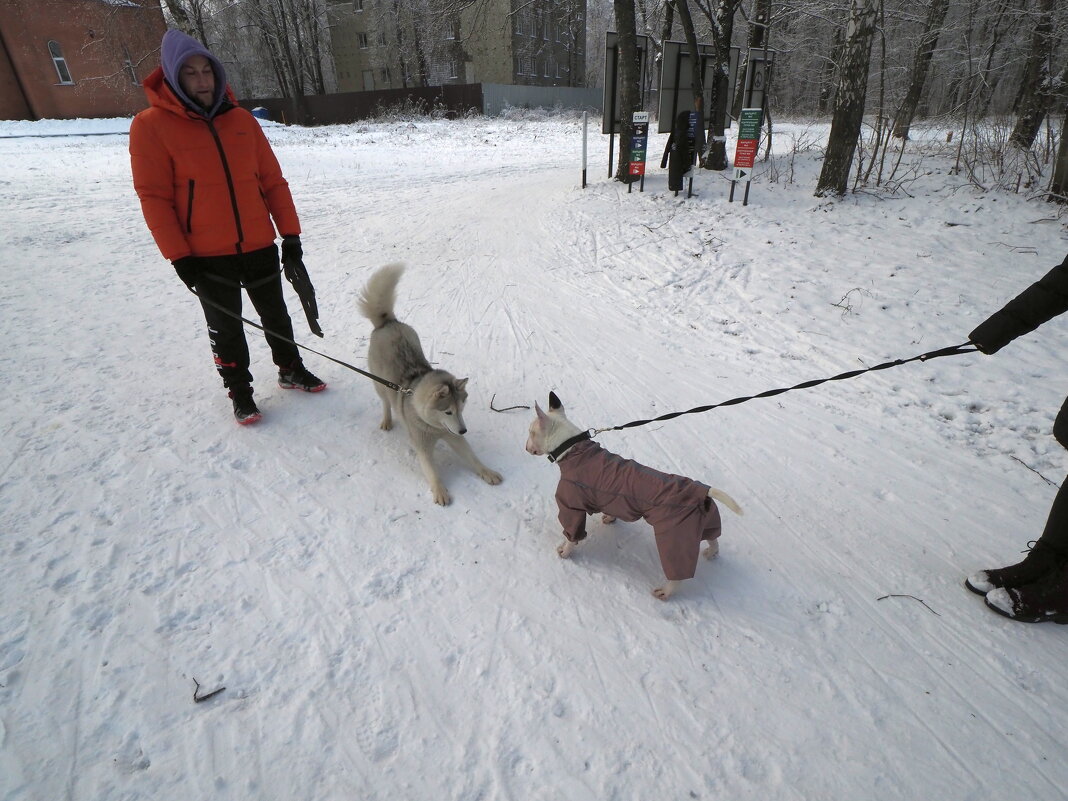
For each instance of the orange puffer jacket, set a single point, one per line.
(207, 187)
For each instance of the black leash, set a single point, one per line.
(923, 357)
(246, 321)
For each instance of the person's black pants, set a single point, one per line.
(1056, 531)
(220, 281)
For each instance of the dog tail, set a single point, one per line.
(726, 500)
(380, 295)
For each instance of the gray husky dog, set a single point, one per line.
(435, 408)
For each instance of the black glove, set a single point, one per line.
(297, 274)
(991, 336)
(188, 269)
(292, 253)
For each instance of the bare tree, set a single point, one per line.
(189, 16)
(629, 81)
(849, 99)
(1058, 190)
(1035, 95)
(720, 15)
(932, 29)
(758, 37)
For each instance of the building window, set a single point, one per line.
(368, 80)
(361, 38)
(357, 5)
(61, 63)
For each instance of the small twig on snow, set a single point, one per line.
(913, 597)
(1025, 464)
(506, 408)
(197, 697)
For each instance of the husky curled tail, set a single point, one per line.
(379, 296)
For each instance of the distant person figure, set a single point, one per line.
(1036, 589)
(210, 186)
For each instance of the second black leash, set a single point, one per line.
(923, 357)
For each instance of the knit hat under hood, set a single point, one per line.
(177, 48)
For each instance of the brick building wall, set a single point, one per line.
(64, 59)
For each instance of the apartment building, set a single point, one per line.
(385, 44)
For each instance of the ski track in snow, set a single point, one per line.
(375, 646)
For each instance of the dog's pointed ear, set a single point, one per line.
(542, 416)
(442, 391)
(461, 383)
(554, 403)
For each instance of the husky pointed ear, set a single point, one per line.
(442, 391)
(554, 402)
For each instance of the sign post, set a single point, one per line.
(745, 149)
(612, 114)
(638, 145)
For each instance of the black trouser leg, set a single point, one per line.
(1056, 531)
(227, 337)
(263, 280)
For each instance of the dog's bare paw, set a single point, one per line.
(491, 476)
(712, 551)
(565, 550)
(607, 519)
(442, 497)
(665, 592)
(386, 425)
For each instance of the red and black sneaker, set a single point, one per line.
(245, 410)
(296, 376)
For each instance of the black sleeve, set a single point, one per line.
(1042, 301)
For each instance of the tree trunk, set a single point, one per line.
(1059, 187)
(758, 29)
(721, 20)
(830, 69)
(628, 80)
(1035, 95)
(697, 84)
(849, 99)
(936, 16)
(669, 22)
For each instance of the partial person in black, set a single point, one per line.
(1035, 589)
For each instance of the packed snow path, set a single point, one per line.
(375, 646)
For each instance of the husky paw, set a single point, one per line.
(386, 425)
(565, 549)
(607, 519)
(441, 496)
(491, 476)
(712, 551)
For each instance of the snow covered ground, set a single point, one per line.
(375, 646)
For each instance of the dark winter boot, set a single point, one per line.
(1044, 600)
(245, 411)
(296, 376)
(1039, 562)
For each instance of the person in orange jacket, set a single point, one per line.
(213, 196)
